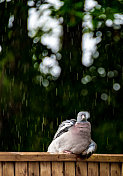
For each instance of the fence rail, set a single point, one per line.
(45, 164)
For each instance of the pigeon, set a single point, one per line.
(74, 137)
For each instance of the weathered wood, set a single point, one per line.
(92, 169)
(104, 169)
(33, 168)
(0, 168)
(44, 156)
(69, 169)
(122, 170)
(8, 169)
(60, 164)
(81, 168)
(21, 169)
(45, 168)
(115, 169)
(57, 168)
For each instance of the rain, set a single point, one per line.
(58, 58)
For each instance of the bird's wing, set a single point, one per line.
(64, 127)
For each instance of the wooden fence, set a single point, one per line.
(44, 164)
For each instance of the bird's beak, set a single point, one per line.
(83, 117)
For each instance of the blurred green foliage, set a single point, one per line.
(33, 103)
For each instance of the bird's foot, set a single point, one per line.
(67, 151)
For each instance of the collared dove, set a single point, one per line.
(74, 137)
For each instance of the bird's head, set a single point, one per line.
(83, 116)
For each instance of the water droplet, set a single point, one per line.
(0, 48)
(96, 54)
(56, 91)
(45, 83)
(104, 96)
(116, 86)
(86, 79)
(98, 33)
(101, 70)
(110, 74)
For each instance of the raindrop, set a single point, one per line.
(110, 74)
(72, 41)
(56, 91)
(83, 81)
(18, 134)
(96, 54)
(34, 57)
(3, 112)
(77, 77)
(11, 19)
(70, 68)
(116, 86)
(36, 65)
(98, 33)
(57, 121)
(26, 103)
(70, 55)
(88, 78)
(0, 48)
(20, 139)
(98, 6)
(58, 56)
(104, 96)
(115, 73)
(45, 83)
(42, 127)
(101, 70)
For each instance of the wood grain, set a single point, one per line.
(104, 169)
(81, 168)
(92, 169)
(8, 169)
(45, 168)
(1, 168)
(115, 169)
(33, 168)
(57, 168)
(45, 156)
(69, 169)
(21, 169)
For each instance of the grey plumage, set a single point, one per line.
(74, 136)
